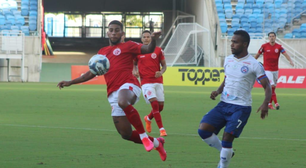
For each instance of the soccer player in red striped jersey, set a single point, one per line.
(123, 88)
(271, 53)
(148, 68)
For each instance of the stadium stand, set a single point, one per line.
(285, 17)
(19, 15)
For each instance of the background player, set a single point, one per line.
(271, 53)
(123, 89)
(152, 81)
(241, 70)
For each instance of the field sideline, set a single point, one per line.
(42, 126)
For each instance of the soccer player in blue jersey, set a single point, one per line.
(232, 112)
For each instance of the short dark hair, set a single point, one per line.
(146, 31)
(245, 35)
(117, 23)
(272, 33)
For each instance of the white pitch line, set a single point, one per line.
(108, 130)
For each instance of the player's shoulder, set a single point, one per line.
(103, 49)
(130, 42)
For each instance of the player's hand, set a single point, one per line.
(264, 111)
(155, 35)
(214, 94)
(158, 74)
(63, 84)
(291, 63)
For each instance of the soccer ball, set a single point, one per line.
(98, 64)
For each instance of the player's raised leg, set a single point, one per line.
(126, 98)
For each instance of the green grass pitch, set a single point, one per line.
(42, 126)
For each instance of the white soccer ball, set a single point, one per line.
(98, 64)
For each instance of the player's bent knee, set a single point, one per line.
(204, 134)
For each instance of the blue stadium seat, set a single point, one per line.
(228, 6)
(219, 6)
(228, 14)
(250, 1)
(248, 6)
(222, 20)
(11, 19)
(240, 11)
(221, 15)
(223, 27)
(24, 10)
(278, 3)
(14, 28)
(296, 33)
(288, 35)
(260, 3)
(227, 1)
(248, 11)
(230, 32)
(220, 10)
(239, 6)
(303, 26)
(235, 20)
(25, 30)
(269, 1)
(241, 2)
(32, 25)
(256, 11)
(218, 1)
(2, 20)
(236, 16)
(303, 33)
(20, 19)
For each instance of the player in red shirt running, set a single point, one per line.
(123, 88)
(148, 68)
(271, 53)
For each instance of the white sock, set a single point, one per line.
(225, 157)
(214, 141)
(156, 143)
(161, 128)
(143, 135)
(148, 118)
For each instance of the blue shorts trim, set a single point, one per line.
(232, 117)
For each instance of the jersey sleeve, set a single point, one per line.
(134, 47)
(161, 54)
(282, 50)
(259, 70)
(261, 50)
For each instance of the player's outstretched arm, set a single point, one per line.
(214, 94)
(151, 47)
(256, 56)
(288, 58)
(268, 93)
(87, 76)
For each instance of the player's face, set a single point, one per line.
(146, 38)
(272, 38)
(114, 33)
(237, 45)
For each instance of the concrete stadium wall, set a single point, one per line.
(32, 62)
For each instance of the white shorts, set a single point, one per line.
(272, 76)
(113, 98)
(151, 90)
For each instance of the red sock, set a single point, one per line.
(274, 95)
(156, 114)
(161, 107)
(150, 116)
(134, 118)
(136, 138)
